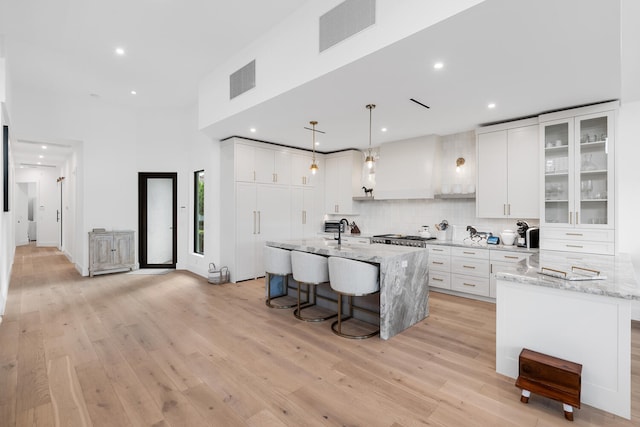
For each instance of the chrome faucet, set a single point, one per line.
(346, 221)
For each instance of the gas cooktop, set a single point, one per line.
(401, 240)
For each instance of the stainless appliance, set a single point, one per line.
(332, 226)
(401, 240)
(528, 237)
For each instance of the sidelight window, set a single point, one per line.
(198, 209)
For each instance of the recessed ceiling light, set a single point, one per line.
(252, 130)
(438, 65)
(44, 147)
(119, 51)
(383, 129)
(317, 143)
(41, 156)
(39, 163)
(491, 105)
(133, 92)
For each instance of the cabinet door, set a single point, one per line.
(274, 219)
(102, 253)
(593, 164)
(303, 222)
(332, 185)
(300, 172)
(123, 245)
(264, 165)
(523, 180)
(244, 161)
(492, 190)
(282, 167)
(246, 229)
(558, 182)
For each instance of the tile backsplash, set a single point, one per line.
(407, 216)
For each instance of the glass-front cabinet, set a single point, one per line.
(577, 180)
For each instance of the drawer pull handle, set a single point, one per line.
(596, 272)
(469, 266)
(575, 246)
(468, 253)
(438, 262)
(511, 257)
(435, 279)
(469, 284)
(438, 250)
(574, 234)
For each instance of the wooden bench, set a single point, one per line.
(550, 377)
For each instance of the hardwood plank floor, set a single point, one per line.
(173, 350)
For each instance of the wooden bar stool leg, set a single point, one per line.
(524, 398)
(568, 411)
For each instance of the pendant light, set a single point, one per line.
(314, 165)
(370, 160)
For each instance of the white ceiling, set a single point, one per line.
(527, 57)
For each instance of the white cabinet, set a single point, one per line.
(305, 217)
(470, 271)
(301, 174)
(263, 213)
(508, 171)
(264, 165)
(343, 181)
(577, 179)
(439, 267)
(111, 251)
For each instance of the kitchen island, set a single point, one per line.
(584, 321)
(404, 293)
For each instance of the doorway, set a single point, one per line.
(157, 219)
(25, 212)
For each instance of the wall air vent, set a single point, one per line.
(346, 19)
(242, 80)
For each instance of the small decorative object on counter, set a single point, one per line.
(218, 276)
(368, 192)
(354, 228)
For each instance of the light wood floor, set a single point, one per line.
(172, 350)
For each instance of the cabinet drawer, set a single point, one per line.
(439, 279)
(439, 250)
(577, 235)
(470, 284)
(440, 263)
(470, 266)
(603, 248)
(470, 253)
(504, 256)
(359, 240)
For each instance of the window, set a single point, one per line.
(198, 209)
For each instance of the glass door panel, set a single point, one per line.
(557, 182)
(593, 168)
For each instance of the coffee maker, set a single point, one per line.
(528, 237)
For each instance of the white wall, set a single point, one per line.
(117, 143)
(47, 201)
(7, 234)
(287, 56)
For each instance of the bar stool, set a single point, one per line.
(310, 270)
(353, 279)
(277, 262)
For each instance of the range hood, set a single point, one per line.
(407, 169)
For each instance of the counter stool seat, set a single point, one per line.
(353, 279)
(309, 270)
(277, 262)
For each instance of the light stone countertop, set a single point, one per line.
(501, 247)
(620, 281)
(375, 252)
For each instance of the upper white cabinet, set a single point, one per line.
(508, 171)
(300, 173)
(577, 179)
(262, 165)
(342, 179)
(405, 169)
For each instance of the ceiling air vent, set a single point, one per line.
(345, 20)
(242, 80)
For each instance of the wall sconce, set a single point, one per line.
(459, 164)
